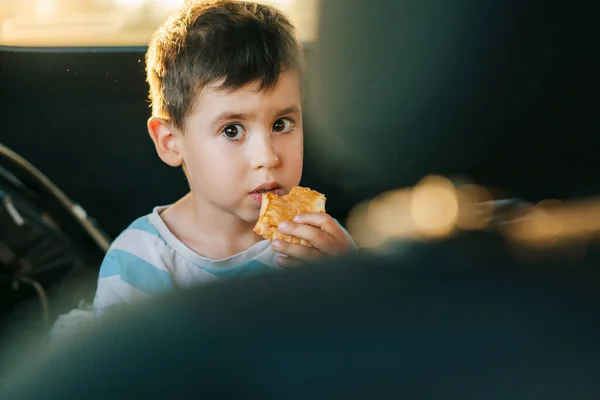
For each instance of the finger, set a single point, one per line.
(297, 251)
(322, 221)
(318, 238)
(288, 262)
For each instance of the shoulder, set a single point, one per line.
(140, 237)
(140, 241)
(140, 257)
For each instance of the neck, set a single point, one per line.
(219, 223)
(211, 232)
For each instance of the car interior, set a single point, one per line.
(502, 95)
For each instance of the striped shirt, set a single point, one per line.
(146, 259)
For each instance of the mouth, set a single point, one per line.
(267, 187)
(271, 187)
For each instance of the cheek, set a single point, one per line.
(194, 156)
(292, 156)
(293, 148)
(299, 150)
(212, 162)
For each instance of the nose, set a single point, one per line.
(263, 153)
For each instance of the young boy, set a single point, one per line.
(225, 85)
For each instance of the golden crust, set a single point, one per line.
(275, 209)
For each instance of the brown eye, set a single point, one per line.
(233, 132)
(283, 125)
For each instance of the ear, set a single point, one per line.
(166, 141)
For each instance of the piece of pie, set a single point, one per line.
(275, 209)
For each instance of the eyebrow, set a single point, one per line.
(228, 116)
(288, 110)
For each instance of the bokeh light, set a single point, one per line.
(435, 208)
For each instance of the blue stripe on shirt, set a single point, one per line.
(109, 267)
(248, 269)
(144, 224)
(140, 274)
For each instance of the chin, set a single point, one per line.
(250, 216)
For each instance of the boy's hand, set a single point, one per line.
(319, 229)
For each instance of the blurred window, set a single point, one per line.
(76, 23)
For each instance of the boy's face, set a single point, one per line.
(236, 143)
